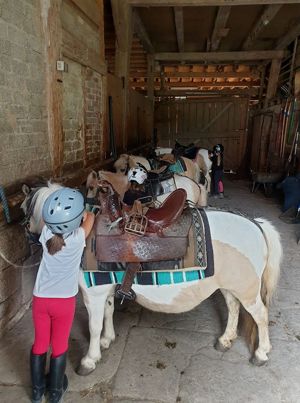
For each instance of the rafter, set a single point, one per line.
(266, 17)
(178, 16)
(193, 3)
(220, 27)
(289, 37)
(141, 32)
(220, 56)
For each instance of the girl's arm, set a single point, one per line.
(88, 222)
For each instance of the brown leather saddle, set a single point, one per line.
(165, 238)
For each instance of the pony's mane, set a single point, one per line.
(39, 197)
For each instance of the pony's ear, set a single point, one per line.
(25, 189)
(91, 179)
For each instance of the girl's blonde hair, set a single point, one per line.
(55, 244)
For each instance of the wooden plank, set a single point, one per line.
(220, 56)
(291, 35)
(52, 29)
(196, 74)
(178, 16)
(193, 3)
(220, 24)
(141, 32)
(150, 81)
(214, 84)
(90, 8)
(182, 93)
(273, 79)
(78, 51)
(266, 17)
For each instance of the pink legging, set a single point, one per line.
(52, 318)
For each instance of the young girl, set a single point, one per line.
(217, 170)
(63, 240)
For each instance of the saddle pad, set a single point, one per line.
(178, 167)
(158, 278)
(203, 251)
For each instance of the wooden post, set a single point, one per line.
(150, 77)
(53, 44)
(273, 80)
(122, 15)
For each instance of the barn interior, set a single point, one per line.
(83, 81)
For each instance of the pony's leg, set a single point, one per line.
(95, 305)
(230, 334)
(108, 334)
(259, 313)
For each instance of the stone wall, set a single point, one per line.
(24, 148)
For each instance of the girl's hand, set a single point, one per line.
(84, 216)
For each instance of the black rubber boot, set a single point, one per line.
(58, 381)
(38, 380)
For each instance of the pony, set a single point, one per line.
(247, 256)
(196, 193)
(202, 160)
(126, 161)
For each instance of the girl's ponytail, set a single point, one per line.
(55, 244)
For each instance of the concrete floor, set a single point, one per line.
(170, 358)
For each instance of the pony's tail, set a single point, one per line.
(270, 276)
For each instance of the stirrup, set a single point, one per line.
(136, 224)
(123, 295)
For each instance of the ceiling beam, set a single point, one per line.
(220, 30)
(197, 74)
(141, 32)
(266, 17)
(178, 16)
(220, 56)
(193, 3)
(289, 37)
(179, 93)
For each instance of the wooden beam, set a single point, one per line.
(291, 35)
(212, 84)
(179, 93)
(197, 74)
(273, 80)
(51, 21)
(193, 3)
(266, 17)
(220, 25)
(141, 32)
(90, 8)
(150, 81)
(178, 16)
(220, 56)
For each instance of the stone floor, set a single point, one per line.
(170, 358)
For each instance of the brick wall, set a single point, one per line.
(93, 118)
(24, 148)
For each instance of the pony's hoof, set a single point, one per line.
(84, 371)
(105, 342)
(220, 347)
(257, 362)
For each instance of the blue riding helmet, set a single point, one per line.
(63, 210)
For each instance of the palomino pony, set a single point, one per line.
(196, 193)
(202, 160)
(125, 162)
(247, 256)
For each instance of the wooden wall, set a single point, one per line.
(206, 122)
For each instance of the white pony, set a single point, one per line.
(126, 161)
(247, 256)
(202, 161)
(196, 193)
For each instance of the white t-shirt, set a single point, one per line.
(58, 274)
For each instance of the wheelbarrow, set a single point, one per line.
(267, 180)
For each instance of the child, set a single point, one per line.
(217, 171)
(63, 240)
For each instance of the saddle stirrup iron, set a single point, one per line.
(124, 290)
